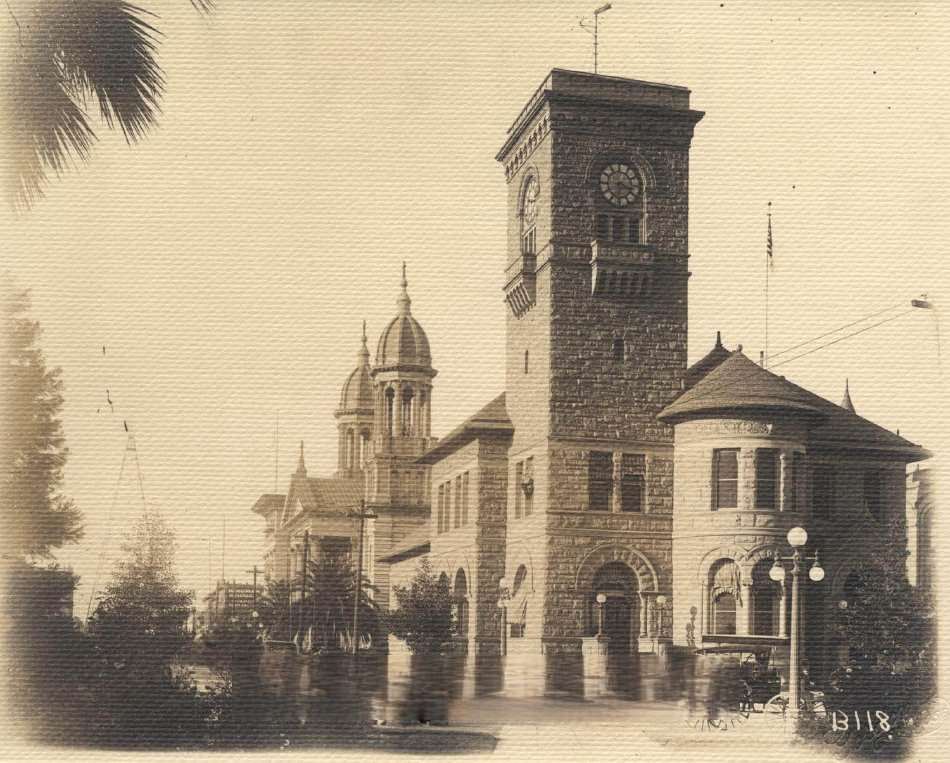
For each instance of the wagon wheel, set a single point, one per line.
(775, 708)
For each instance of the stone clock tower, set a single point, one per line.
(596, 287)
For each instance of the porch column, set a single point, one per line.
(643, 615)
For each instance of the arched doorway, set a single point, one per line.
(618, 617)
(461, 604)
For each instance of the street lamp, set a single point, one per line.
(797, 538)
(504, 596)
(601, 600)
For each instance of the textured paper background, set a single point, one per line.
(306, 149)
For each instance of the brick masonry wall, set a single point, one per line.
(479, 547)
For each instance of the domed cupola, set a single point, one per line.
(403, 344)
(357, 393)
(402, 382)
(355, 415)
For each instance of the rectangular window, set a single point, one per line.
(465, 498)
(441, 509)
(527, 242)
(448, 505)
(617, 233)
(634, 231)
(823, 491)
(603, 227)
(632, 482)
(631, 493)
(797, 470)
(519, 493)
(458, 501)
(600, 480)
(766, 472)
(529, 491)
(725, 478)
(872, 493)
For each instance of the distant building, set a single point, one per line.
(228, 600)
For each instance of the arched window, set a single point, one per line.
(461, 603)
(390, 409)
(348, 451)
(766, 600)
(616, 349)
(724, 613)
(518, 613)
(530, 192)
(723, 592)
(407, 422)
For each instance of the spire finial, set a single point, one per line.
(362, 357)
(301, 468)
(846, 401)
(403, 302)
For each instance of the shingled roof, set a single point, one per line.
(707, 363)
(329, 493)
(738, 383)
(491, 418)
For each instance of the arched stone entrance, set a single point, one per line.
(618, 617)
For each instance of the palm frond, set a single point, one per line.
(106, 48)
(203, 6)
(44, 127)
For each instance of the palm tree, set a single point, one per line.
(67, 53)
(328, 606)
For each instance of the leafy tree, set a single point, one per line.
(68, 53)
(890, 629)
(37, 518)
(424, 613)
(139, 625)
(328, 603)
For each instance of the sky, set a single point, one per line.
(306, 150)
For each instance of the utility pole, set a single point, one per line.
(255, 572)
(362, 515)
(303, 573)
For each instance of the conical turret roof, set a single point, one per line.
(357, 392)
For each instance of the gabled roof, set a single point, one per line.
(740, 384)
(491, 418)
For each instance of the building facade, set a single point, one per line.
(611, 500)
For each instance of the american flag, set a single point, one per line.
(768, 245)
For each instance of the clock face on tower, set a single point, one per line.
(619, 184)
(531, 193)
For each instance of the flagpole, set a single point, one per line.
(768, 266)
